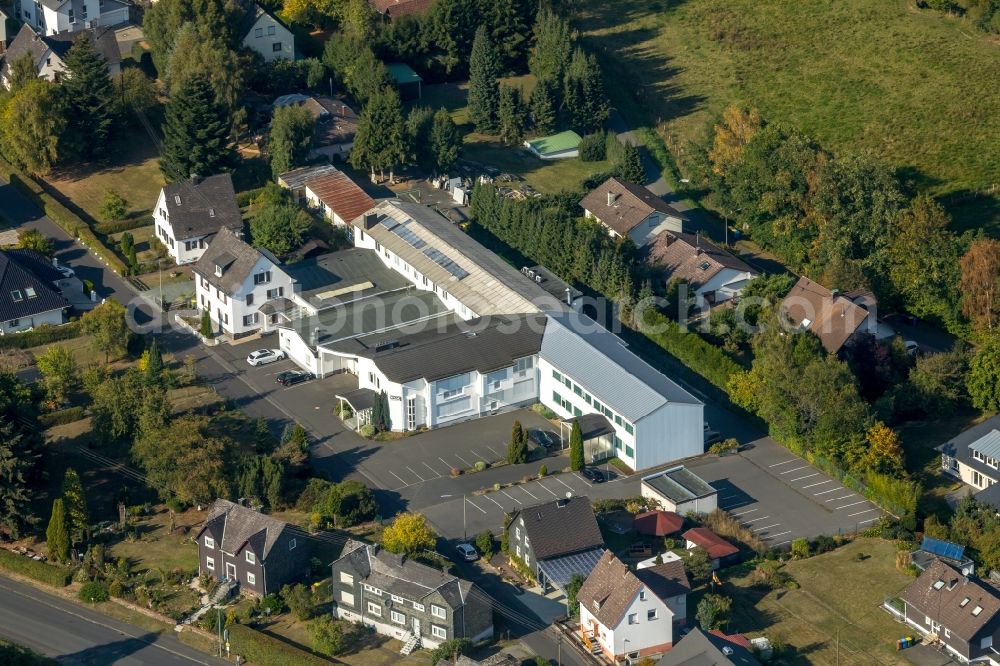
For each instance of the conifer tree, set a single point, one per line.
(380, 142)
(585, 99)
(630, 168)
(445, 141)
(517, 448)
(57, 534)
(576, 457)
(484, 86)
(553, 47)
(195, 132)
(155, 365)
(90, 98)
(78, 517)
(511, 115)
(543, 107)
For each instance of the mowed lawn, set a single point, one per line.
(838, 594)
(914, 87)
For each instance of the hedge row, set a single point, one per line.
(40, 571)
(689, 348)
(107, 228)
(263, 650)
(246, 197)
(42, 335)
(64, 217)
(62, 417)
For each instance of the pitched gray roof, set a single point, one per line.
(454, 347)
(611, 587)
(612, 373)
(240, 525)
(963, 605)
(27, 41)
(236, 258)
(23, 293)
(960, 448)
(631, 205)
(701, 649)
(396, 574)
(206, 205)
(691, 258)
(560, 527)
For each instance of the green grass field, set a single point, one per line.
(914, 87)
(839, 597)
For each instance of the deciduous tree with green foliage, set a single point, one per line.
(984, 375)
(21, 71)
(576, 456)
(75, 500)
(576, 581)
(33, 239)
(380, 142)
(116, 407)
(713, 611)
(90, 99)
(32, 120)
(980, 284)
(107, 328)
(60, 374)
(290, 137)
(698, 565)
(57, 533)
(113, 207)
(349, 502)
(409, 533)
(279, 228)
(196, 137)
(484, 83)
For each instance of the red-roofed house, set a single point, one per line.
(338, 197)
(658, 523)
(735, 639)
(720, 551)
(395, 8)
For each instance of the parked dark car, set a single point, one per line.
(593, 475)
(543, 438)
(293, 377)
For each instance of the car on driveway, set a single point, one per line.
(66, 271)
(543, 438)
(293, 377)
(466, 552)
(593, 475)
(264, 356)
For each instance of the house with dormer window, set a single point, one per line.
(961, 613)
(188, 214)
(240, 546)
(29, 296)
(233, 280)
(974, 457)
(420, 605)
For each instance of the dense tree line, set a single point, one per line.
(548, 231)
(984, 14)
(20, 453)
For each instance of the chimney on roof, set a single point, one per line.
(612, 198)
(371, 219)
(195, 179)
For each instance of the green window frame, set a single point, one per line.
(618, 419)
(598, 407)
(629, 429)
(556, 398)
(577, 412)
(586, 396)
(629, 451)
(567, 383)
(578, 390)
(556, 376)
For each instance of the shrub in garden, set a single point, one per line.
(593, 147)
(543, 471)
(94, 591)
(480, 465)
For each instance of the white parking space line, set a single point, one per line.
(494, 501)
(781, 544)
(811, 485)
(566, 484)
(870, 520)
(837, 499)
(766, 527)
(851, 515)
(753, 520)
(542, 485)
(462, 459)
(794, 470)
(807, 476)
(577, 475)
(474, 504)
(446, 463)
(786, 462)
(495, 452)
(431, 469)
(415, 474)
(838, 508)
(512, 497)
(527, 491)
(828, 491)
(399, 477)
(746, 512)
(775, 536)
(478, 456)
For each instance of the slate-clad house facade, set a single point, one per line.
(556, 540)
(189, 213)
(407, 600)
(258, 552)
(962, 612)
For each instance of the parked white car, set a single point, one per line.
(66, 271)
(265, 356)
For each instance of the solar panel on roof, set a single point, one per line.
(407, 235)
(444, 262)
(952, 551)
(389, 223)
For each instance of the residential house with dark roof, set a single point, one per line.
(721, 553)
(420, 605)
(28, 294)
(713, 648)
(630, 210)
(189, 213)
(556, 540)
(961, 613)
(264, 33)
(48, 52)
(51, 17)
(337, 197)
(234, 280)
(973, 456)
(336, 124)
(627, 614)
(255, 551)
(712, 274)
(833, 317)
